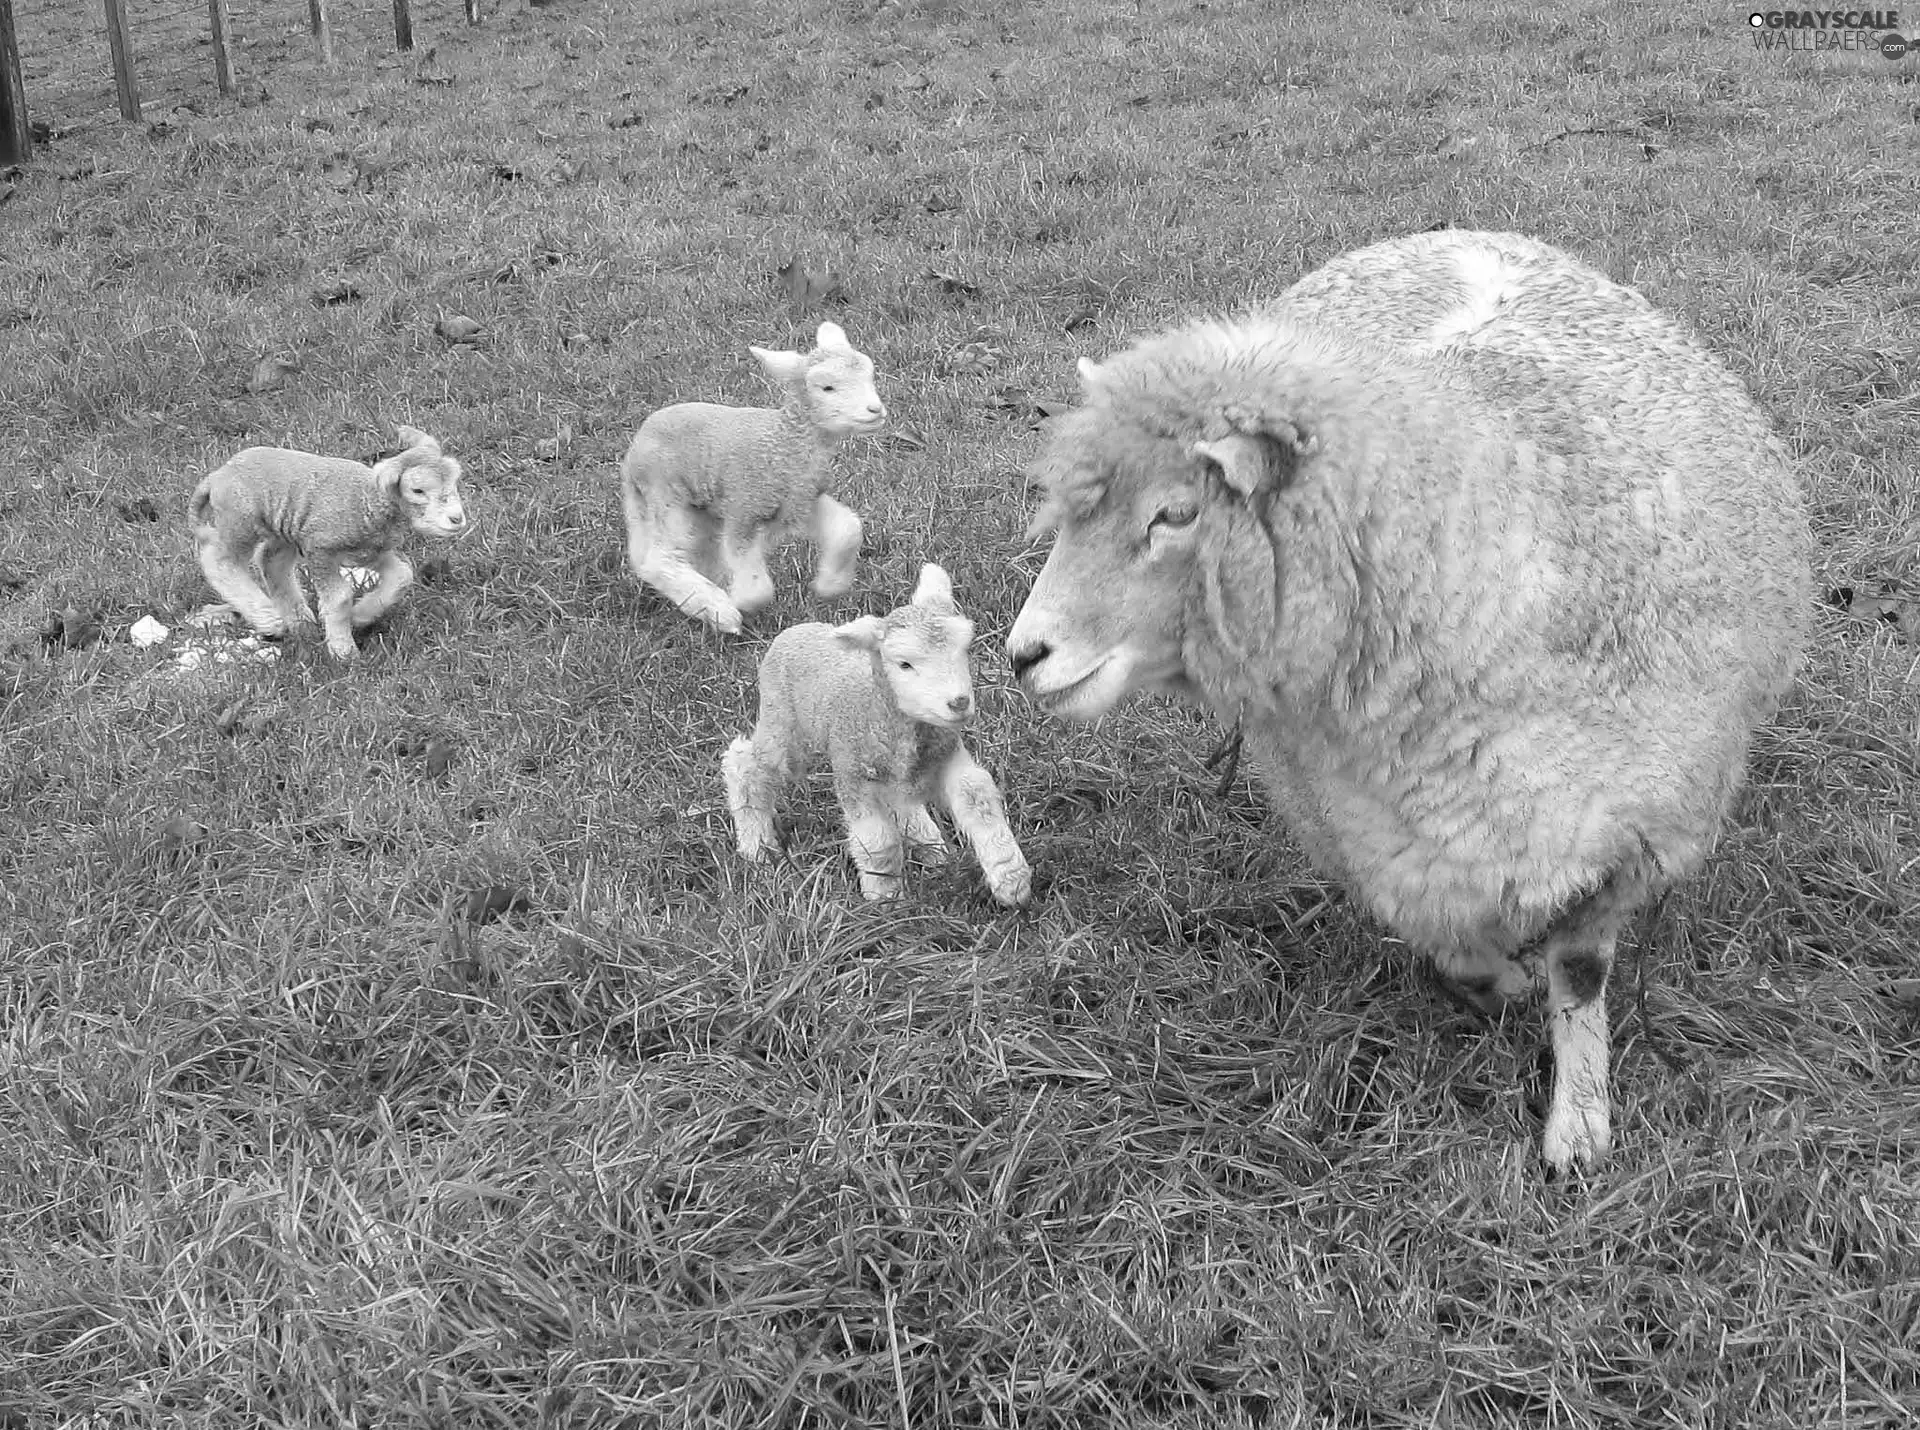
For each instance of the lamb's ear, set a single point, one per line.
(832, 335)
(412, 438)
(935, 588)
(1092, 375)
(864, 633)
(784, 368)
(1252, 462)
(386, 473)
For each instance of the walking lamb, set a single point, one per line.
(884, 699)
(710, 491)
(1495, 564)
(271, 508)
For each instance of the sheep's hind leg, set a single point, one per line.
(1578, 951)
(753, 782)
(981, 814)
(873, 839)
(235, 584)
(396, 574)
(660, 552)
(744, 551)
(278, 563)
(836, 538)
(335, 591)
(923, 835)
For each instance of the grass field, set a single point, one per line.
(292, 1133)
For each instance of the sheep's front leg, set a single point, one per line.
(335, 591)
(970, 792)
(836, 538)
(754, 774)
(873, 838)
(923, 835)
(744, 549)
(1578, 951)
(662, 550)
(278, 563)
(396, 574)
(235, 584)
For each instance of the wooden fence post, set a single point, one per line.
(222, 56)
(402, 25)
(123, 81)
(16, 138)
(322, 31)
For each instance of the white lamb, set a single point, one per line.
(710, 491)
(883, 698)
(271, 508)
(1495, 564)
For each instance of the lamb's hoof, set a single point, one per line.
(875, 888)
(932, 856)
(343, 650)
(828, 588)
(1016, 892)
(725, 619)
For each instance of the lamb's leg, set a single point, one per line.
(396, 574)
(335, 591)
(744, 549)
(836, 539)
(923, 835)
(981, 815)
(1578, 951)
(278, 561)
(754, 775)
(231, 579)
(659, 548)
(873, 837)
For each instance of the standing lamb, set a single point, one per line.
(709, 488)
(271, 508)
(883, 698)
(1497, 567)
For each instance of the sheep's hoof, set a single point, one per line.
(828, 588)
(1015, 892)
(1575, 1135)
(933, 856)
(876, 887)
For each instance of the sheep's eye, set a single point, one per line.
(906, 665)
(1175, 514)
(826, 387)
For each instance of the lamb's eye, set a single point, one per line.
(826, 387)
(906, 665)
(1175, 514)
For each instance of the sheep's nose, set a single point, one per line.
(1026, 658)
(960, 704)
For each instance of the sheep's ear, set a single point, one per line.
(412, 438)
(1252, 462)
(935, 588)
(864, 633)
(832, 335)
(784, 368)
(1092, 375)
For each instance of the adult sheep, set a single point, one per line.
(1496, 566)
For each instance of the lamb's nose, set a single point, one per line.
(960, 704)
(1027, 657)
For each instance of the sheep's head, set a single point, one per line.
(833, 384)
(920, 649)
(1158, 497)
(425, 484)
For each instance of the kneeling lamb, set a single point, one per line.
(272, 508)
(707, 487)
(883, 698)
(1495, 565)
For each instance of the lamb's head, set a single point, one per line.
(832, 385)
(920, 650)
(1157, 491)
(425, 484)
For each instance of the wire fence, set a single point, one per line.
(171, 58)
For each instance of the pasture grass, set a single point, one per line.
(288, 1137)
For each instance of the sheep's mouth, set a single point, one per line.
(1079, 698)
